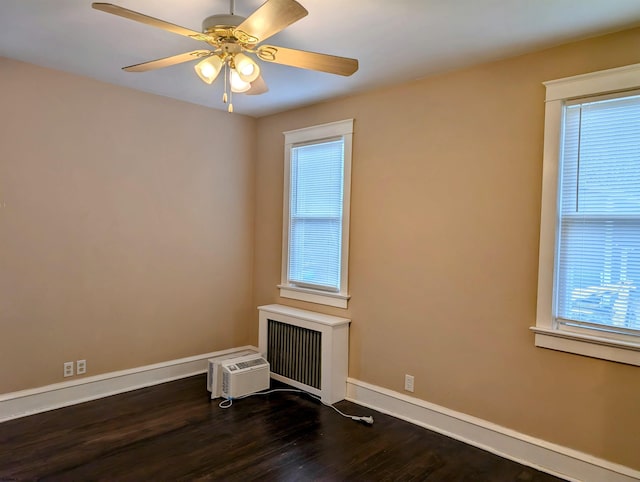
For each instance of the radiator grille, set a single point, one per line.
(294, 352)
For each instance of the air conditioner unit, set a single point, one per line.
(214, 373)
(244, 375)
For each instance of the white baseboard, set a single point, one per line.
(36, 400)
(542, 455)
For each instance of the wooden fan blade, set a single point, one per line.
(308, 60)
(258, 86)
(168, 61)
(154, 22)
(272, 17)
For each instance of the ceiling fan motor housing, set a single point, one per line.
(223, 28)
(221, 22)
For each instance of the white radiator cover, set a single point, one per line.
(334, 351)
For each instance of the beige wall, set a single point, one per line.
(444, 245)
(126, 227)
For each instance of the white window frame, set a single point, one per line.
(333, 130)
(548, 333)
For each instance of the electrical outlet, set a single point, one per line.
(81, 367)
(408, 383)
(68, 369)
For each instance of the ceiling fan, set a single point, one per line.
(231, 38)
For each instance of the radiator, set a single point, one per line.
(306, 350)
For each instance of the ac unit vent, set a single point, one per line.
(245, 375)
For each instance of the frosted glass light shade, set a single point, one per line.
(237, 84)
(248, 70)
(209, 68)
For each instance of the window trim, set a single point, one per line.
(549, 334)
(340, 129)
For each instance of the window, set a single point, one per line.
(589, 271)
(316, 214)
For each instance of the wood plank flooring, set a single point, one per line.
(174, 432)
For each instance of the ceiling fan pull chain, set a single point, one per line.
(232, 7)
(226, 72)
(230, 108)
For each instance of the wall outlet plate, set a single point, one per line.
(81, 367)
(67, 369)
(408, 383)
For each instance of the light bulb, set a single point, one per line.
(247, 68)
(237, 84)
(209, 68)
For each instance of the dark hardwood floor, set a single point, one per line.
(174, 432)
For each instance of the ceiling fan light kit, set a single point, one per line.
(237, 84)
(231, 38)
(208, 69)
(247, 68)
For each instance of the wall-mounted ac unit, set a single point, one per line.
(244, 375)
(307, 350)
(214, 373)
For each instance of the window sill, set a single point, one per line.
(588, 345)
(314, 296)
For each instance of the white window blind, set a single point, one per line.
(598, 259)
(316, 207)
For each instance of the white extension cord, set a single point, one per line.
(226, 403)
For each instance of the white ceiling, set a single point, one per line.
(394, 40)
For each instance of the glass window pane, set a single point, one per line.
(598, 270)
(315, 251)
(316, 179)
(315, 235)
